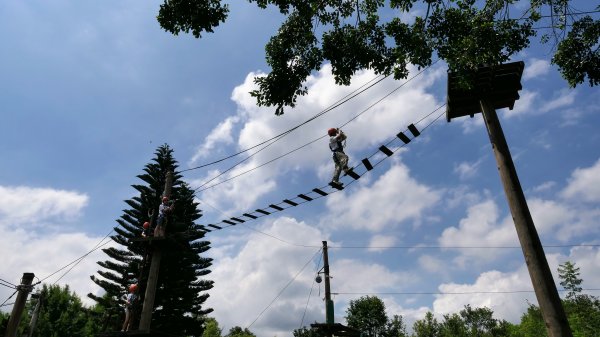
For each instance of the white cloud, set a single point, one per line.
(259, 270)
(535, 68)
(467, 170)
(45, 254)
(584, 184)
(380, 242)
(28, 205)
(220, 134)
(383, 203)
(480, 228)
(524, 106)
(564, 98)
(505, 305)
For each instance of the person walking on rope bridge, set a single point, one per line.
(337, 140)
(129, 302)
(163, 211)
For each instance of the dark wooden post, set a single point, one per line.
(495, 88)
(15, 316)
(150, 293)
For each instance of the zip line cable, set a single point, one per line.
(305, 145)
(9, 297)
(76, 261)
(284, 288)
(273, 141)
(450, 293)
(7, 284)
(310, 293)
(338, 103)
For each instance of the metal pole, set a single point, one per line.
(539, 271)
(15, 316)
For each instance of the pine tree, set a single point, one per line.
(569, 278)
(181, 288)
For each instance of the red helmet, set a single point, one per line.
(133, 288)
(165, 199)
(146, 225)
(332, 132)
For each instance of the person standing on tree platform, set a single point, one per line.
(336, 144)
(163, 211)
(129, 302)
(146, 231)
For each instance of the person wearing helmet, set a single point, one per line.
(163, 210)
(146, 231)
(129, 302)
(340, 159)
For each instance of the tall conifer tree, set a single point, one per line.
(182, 288)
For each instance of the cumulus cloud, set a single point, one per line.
(29, 205)
(220, 134)
(467, 170)
(379, 242)
(25, 247)
(564, 98)
(584, 184)
(395, 197)
(503, 291)
(480, 228)
(536, 68)
(263, 265)
(480, 293)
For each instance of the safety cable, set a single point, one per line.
(302, 146)
(76, 261)
(450, 292)
(338, 103)
(7, 284)
(284, 288)
(310, 293)
(9, 297)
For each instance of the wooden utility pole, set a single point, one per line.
(495, 88)
(15, 316)
(149, 296)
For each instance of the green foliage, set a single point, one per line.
(211, 328)
(181, 287)
(368, 315)
(395, 328)
(578, 55)
(61, 314)
(237, 331)
(356, 35)
(569, 276)
(427, 327)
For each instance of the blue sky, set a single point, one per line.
(90, 89)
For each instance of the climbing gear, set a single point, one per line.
(332, 132)
(146, 225)
(133, 288)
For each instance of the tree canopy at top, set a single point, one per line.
(388, 36)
